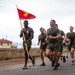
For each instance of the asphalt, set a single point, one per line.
(64, 69)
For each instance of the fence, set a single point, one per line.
(15, 53)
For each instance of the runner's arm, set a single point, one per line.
(55, 37)
(31, 36)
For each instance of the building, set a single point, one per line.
(4, 43)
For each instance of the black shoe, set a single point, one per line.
(56, 67)
(66, 56)
(58, 64)
(25, 67)
(64, 59)
(53, 62)
(72, 62)
(43, 64)
(33, 61)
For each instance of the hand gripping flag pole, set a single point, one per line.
(23, 34)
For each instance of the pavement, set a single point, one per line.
(64, 69)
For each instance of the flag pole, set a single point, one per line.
(23, 35)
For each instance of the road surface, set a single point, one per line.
(64, 69)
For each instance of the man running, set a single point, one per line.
(61, 44)
(70, 38)
(53, 34)
(27, 33)
(43, 44)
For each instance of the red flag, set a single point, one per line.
(25, 15)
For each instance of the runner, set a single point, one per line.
(53, 34)
(70, 38)
(43, 44)
(61, 44)
(65, 49)
(28, 34)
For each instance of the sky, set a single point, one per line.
(63, 11)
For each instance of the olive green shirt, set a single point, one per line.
(52, 32)
(71, 36)
(62, 34)
(28, 33)
(42, 37)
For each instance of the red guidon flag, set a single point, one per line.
(25, 15)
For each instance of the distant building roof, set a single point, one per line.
(5, 41)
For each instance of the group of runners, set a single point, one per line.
(51, 43)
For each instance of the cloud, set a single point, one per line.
(45, 10)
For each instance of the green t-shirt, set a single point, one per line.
(71, 36)
(62, 34)
(53, 32)
(28, 33)
(42, 37)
